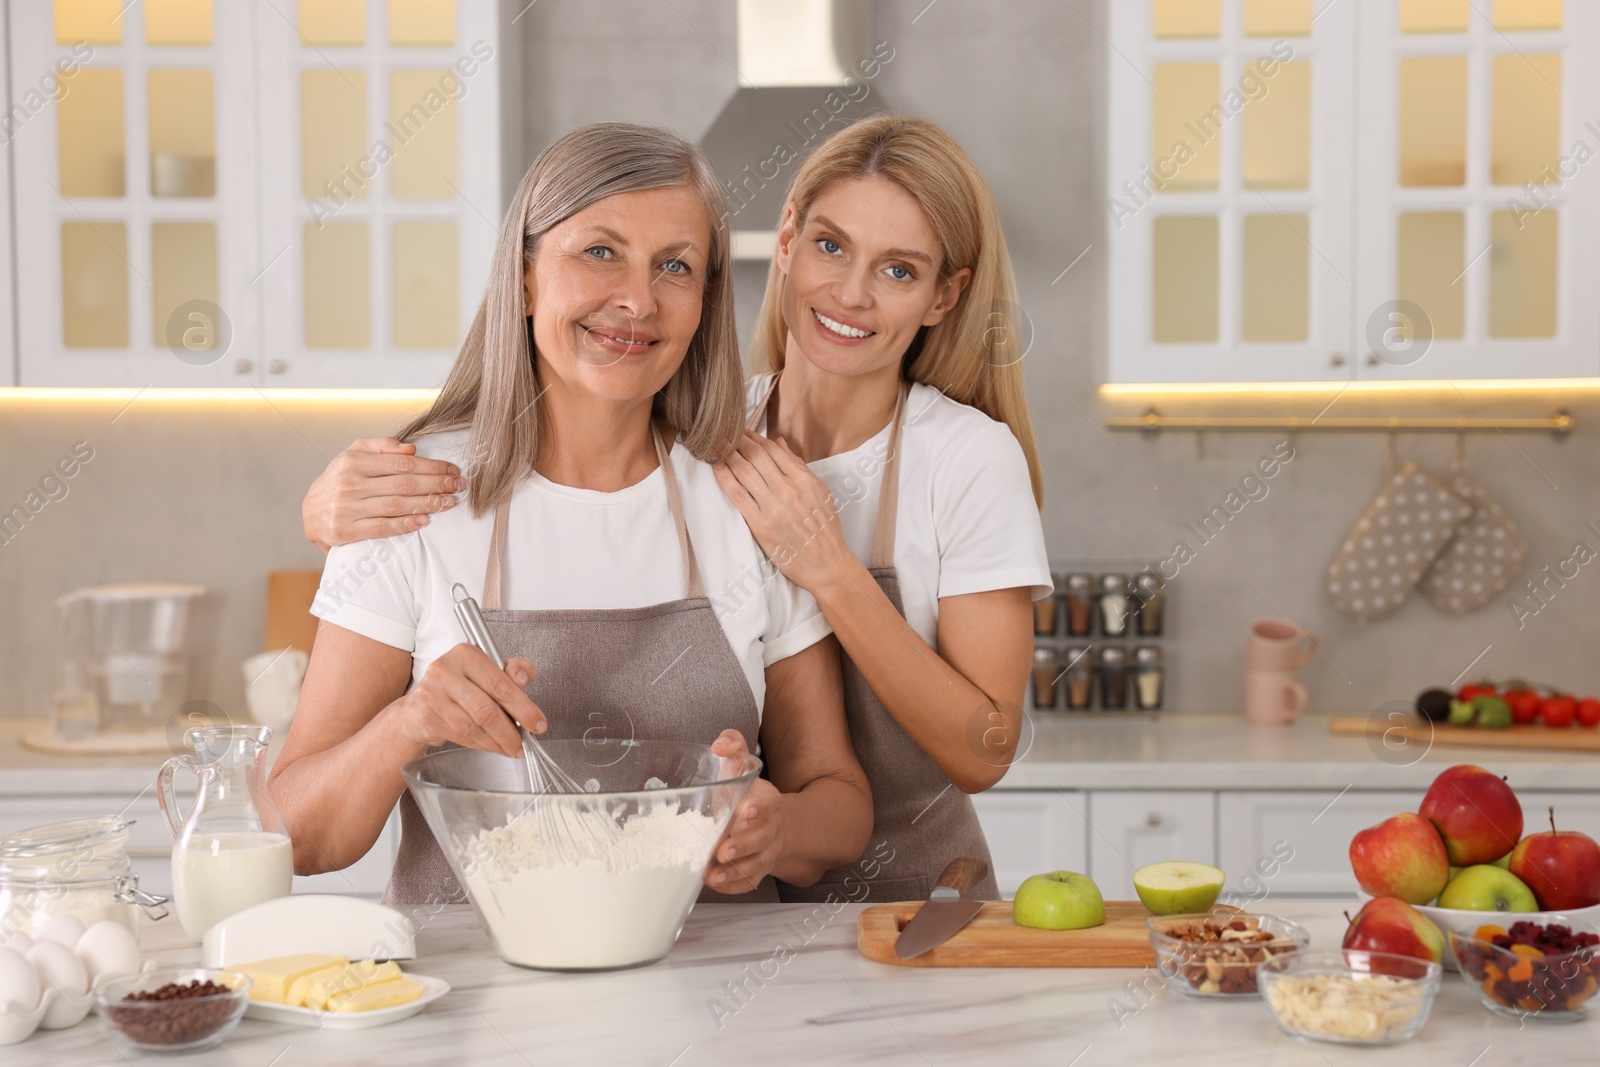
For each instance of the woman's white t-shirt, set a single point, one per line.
(966, 521)
(570, 548)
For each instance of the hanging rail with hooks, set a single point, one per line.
(1558, 423)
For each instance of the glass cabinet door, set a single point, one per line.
(135, 187)
(386, 212)
(1228, 214)
(1476, 228)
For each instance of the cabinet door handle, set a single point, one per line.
(242, 366)
(1153, 819)
(277, 366)
(149, 853)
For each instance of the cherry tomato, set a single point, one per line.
(1558, 710)
(1524, 705)
(1589, 711)
(1467, 692)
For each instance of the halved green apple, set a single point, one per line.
(1178, 887)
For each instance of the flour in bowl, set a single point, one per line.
(555, 895)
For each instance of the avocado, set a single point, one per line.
(1434, 704)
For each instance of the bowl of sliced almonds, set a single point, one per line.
(1350, 997)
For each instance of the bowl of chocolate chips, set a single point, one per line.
(173, 1009)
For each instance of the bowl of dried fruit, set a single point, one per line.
(1350, 997)
(1532, 969)
(173, 1009)
(1217, 953)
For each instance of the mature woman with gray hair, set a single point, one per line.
(598, 383)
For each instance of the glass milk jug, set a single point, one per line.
(232, 850)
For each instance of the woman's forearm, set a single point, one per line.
(969, 732)
(336, 801)
(825, 825)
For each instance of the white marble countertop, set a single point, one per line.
(1173, 750)
(826, 1004)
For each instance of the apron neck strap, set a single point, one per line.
(493, 576)
(888, 495)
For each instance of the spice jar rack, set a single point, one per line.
(1098, 639)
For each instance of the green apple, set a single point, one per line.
(1485, 887)
(1060, 900)
(1178, 887)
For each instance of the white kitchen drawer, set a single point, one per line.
(1297, 843)
(1032, 831)
(1130, 829)
(1574, 811)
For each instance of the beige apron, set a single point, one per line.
(920, 818)
(664, 672)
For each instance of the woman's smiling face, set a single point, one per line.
(615, 293)
(863, 276)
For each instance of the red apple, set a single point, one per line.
(1562, 867)
(1476, 812)
(1403, 856)
(1389, 924)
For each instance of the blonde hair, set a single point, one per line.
(492, 387)
(962, 355)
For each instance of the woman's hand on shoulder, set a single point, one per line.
(464, 698)
(378, 487)
(753, 842)
(791, 511)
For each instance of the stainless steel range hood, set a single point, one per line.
(805, 68)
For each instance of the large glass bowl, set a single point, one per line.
(582, 881)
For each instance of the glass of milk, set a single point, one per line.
(232, 850)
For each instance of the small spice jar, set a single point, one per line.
(1149, 678)
(78, 868)
(1047, 612)
(1079, 603)
(1113, 678)
(1045, 690)
(1151, 595)
(1078, 677)
(1114, 604)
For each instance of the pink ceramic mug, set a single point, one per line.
(1272, 698)
(1279, 645)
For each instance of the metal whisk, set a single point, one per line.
(545, 775)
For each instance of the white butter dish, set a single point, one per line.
(310, 922)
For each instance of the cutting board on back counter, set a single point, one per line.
(992, 939)
(290, 623)
(1518, 735)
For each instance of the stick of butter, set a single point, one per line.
(272, 980)
(390, 994)
(348, 979)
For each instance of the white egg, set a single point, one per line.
(19, 982)
(108, 947)
(62, 929)
(59, 968)
(18, 942)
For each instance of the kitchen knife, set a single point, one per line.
(945, 913)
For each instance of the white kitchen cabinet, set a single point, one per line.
(1130, 829)
(1297, 843)
(1032, 831)
(1574, 811)
(150, 846)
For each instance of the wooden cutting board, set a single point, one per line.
(290, 623)
(1519, 735)
(991, 939)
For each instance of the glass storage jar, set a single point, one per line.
(79, 867)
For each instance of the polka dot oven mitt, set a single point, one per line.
(1483, 558)
(1383, 557)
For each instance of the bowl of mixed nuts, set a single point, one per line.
(1217, 953)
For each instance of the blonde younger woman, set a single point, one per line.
(889, 469)
(599, 377)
